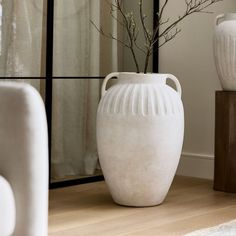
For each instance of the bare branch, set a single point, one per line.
(169, 37)
(162, 10)
(142, 18)
(128, 21)
(193, 6)
(159, 19)
(168, 28)
(109, 35)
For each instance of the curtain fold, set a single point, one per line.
(79, 50)
(74, 151)
(22, 34)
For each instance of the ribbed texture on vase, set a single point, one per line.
(225, 56)
(141, 100)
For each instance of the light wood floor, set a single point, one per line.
(88, 210)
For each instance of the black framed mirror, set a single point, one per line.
(72, 97)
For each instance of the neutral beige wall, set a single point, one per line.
(189, 56)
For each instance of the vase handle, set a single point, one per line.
(218, 18)
(177, 84)
(104, 84)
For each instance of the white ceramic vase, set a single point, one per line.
(225, 50)
(140, 128)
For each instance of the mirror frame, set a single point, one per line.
(49, 88)
(156, 8)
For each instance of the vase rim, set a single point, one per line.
(141, 73)
(230, 16)
(133, 77)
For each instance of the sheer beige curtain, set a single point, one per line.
(76, 44)
(79, 50)
(74, 151)
(22, 32)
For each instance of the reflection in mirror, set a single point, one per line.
(80, 50)
(22, 38)
(74, 151)
(133, 6)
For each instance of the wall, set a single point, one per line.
(189, 57)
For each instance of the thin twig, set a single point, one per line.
(168, 29)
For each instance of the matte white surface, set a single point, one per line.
(140, 126)
(24, 155)
(7, 208)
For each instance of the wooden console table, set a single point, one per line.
(225, 141)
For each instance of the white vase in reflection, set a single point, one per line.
(225, 50)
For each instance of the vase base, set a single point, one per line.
(138, 205)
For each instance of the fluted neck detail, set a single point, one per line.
(141, 99)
